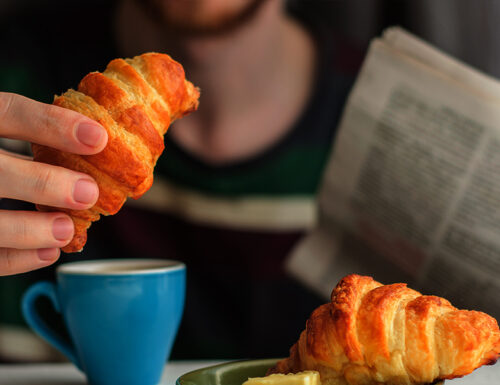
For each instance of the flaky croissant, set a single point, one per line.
(389, 334)
(135, 100)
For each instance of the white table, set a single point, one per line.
(67, 374)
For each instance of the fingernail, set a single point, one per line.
(90, 134)
(85, 191)
(48, 254)
(62, 228)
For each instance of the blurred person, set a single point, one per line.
(235, 188)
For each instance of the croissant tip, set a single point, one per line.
(70, 249)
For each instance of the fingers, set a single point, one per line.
(13, 261)
(66, 130)
(31, 240)
(46, 184)
(34, 230)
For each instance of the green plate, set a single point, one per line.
(232, 373)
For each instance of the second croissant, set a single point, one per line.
(390, 334)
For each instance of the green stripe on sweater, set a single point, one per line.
(297, 171)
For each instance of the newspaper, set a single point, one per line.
(411, 192)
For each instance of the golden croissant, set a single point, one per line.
(135, 100)
(389, 334)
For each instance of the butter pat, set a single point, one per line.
(302, 378)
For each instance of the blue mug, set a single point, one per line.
(122, 316)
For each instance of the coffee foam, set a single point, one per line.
(120, 266)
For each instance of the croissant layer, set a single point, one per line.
(390, 334)
(135, 100)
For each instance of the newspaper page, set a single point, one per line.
(411, 192)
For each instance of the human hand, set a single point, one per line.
(29, 239)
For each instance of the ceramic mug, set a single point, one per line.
(122, 316)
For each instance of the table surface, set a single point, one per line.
(67, 374)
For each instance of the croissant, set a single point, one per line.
(135, 100)
(390, 334)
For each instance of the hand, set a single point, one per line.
(29, 239)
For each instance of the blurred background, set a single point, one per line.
(468, 30)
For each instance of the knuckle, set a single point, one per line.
(10, 260)
(50, 118)
(6, 102)
(21, 231)
(7, 261)
(57, 121)
(44, 178)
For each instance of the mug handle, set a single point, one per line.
(47, 289)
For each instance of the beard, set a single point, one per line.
(183, 17)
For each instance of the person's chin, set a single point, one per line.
(192, 24)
